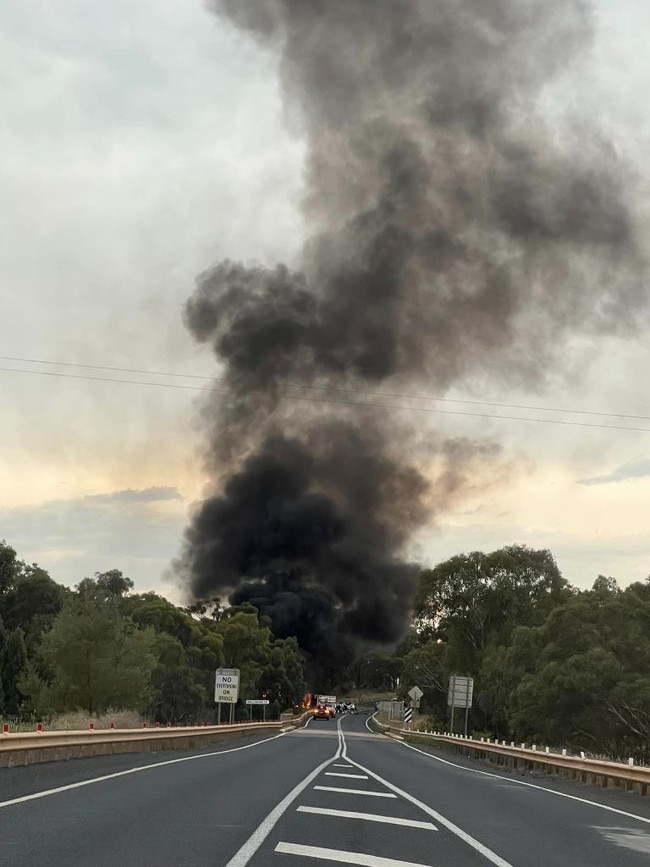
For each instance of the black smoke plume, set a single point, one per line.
(453, 233)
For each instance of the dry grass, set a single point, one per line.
(79, 721)
(365, 697)
(18, 727)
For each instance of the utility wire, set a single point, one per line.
(361, 392)
(303, 398)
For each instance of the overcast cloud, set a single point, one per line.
(135, 531)
(635, 470)
(141, 141)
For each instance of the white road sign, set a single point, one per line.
(257, 701)
(461, 690)
(416, 693)
(226, 685)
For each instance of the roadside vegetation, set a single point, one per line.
(551, 664)
(101, 646)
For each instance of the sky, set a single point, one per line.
(144, 141)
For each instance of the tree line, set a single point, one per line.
(551, 663)
(101, 646)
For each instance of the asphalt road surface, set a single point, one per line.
(330, 793)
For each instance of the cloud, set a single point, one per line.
(581, 557)
(135, 531)
(170, 134)
(634, 470)
(149, 495)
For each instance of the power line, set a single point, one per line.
(113, 379)
(105, 367)
(324, 400)
(362, 392)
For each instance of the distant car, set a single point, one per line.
(323, 712)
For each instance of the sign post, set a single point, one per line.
(226, 690)
(461, 690)
(263, 701)
(415, 694)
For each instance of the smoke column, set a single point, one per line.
(453, 233)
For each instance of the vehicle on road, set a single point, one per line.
(323, 711)
(329, 701)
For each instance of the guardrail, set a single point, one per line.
(26, 748)
(381, 728)
(592, 771)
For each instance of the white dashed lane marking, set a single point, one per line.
(355, 792)
(349, 776)
(341, 856)
(369, 817)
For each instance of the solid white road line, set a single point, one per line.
(339, 732)
(344, 746)
(342, 857)
(369, 817)
(250, 847)
(339, 765)
(47, 792)
(488, 854)
(349, 776)
(355, 792)
(516, 782)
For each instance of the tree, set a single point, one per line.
(179, 694)
(206, 609)
(33, 603)
(282, 679)
(150, 609)
(29, 598)
(377, 670)
(502, 670)
(111, 586)
(585, 674)
(97, 658)
(476, 599)
(605, 586)
(9, 568)
(183, 689)
(34, 691)
(246, 646)
(12, 663)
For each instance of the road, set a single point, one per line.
(332, 792)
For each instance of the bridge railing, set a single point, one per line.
(24, 748)
(588, 770)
